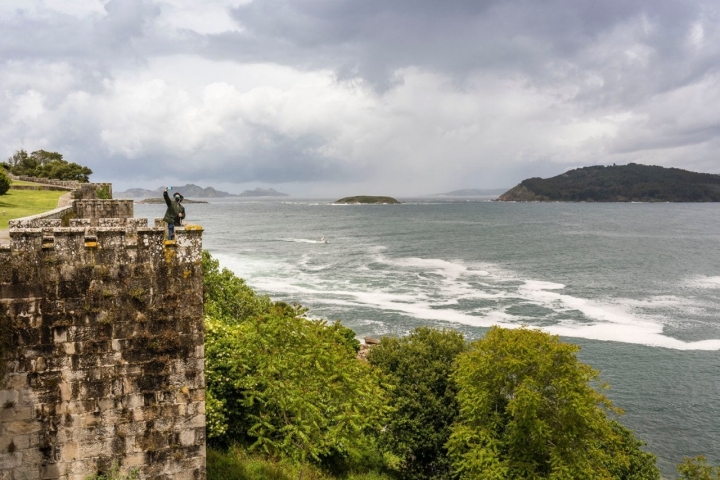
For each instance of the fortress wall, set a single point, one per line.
(96, 209)
(101, 350)
(68, 184)
(95, 212)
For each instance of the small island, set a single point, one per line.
(368, 200)
(622, 183)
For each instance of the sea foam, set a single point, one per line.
(476, 295)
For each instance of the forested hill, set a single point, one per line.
(622, 183)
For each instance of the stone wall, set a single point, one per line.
(81, 191)
(101, 350)
(68, 184)
(115, 212)
(94, 209)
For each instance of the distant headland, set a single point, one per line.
(622, 183)
(194, 191)
(366, 199)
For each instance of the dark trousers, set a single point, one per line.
(171, 231)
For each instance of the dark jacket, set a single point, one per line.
(172, 215)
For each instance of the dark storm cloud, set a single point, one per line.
(373, 38)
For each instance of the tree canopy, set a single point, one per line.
(423, 398)
(43, 164)
(4, 182)
(528, 409)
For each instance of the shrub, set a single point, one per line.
(4, 182)
(528, 410)
(423, 398)
(697, 468)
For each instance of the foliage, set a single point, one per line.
(45, 164)
(227, 297)
(697, 468)
(22, 203)
(286, 385)
(103, 192)
(239, 464)
(302, 392)
(624, 183)
(528, 410)
(4, 182)
(423, 399)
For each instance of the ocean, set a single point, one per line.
(635, 285)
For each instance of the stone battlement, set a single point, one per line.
(101, 346)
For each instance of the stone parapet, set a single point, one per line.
(101, 349)
(69, 184)
(104, 209)
(35, 221)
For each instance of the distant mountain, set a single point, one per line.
(188, 190)
(193, 191)
(622, 183)
(472, 192)
(263, 192)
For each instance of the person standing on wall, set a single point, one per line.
(174, 213)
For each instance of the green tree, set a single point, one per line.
(697, 468)
(4, 182)
(44, 164)
(528, 410)
(423, 398)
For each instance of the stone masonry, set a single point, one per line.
(101, 347)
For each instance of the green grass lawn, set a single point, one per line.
(22, 203)
(22, 182)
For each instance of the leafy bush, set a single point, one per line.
(423, 398)
(527, 410)
(280, 383)
(291, 384)
(238, 464)
(697, 468)
(227, 297)
(103, 192)
(4, 182)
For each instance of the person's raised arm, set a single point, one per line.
(166, 197)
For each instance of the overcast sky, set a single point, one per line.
(326, 97)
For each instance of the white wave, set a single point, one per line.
(301, 240)
(703, 282)
(405, 290)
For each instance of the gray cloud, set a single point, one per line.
(420, 94)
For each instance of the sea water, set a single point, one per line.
(635, 285)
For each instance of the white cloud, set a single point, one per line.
(135, 88)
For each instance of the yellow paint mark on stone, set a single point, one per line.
(169, 251)
(193, 228)
(91, 244)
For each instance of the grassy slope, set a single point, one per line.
(22, 203)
